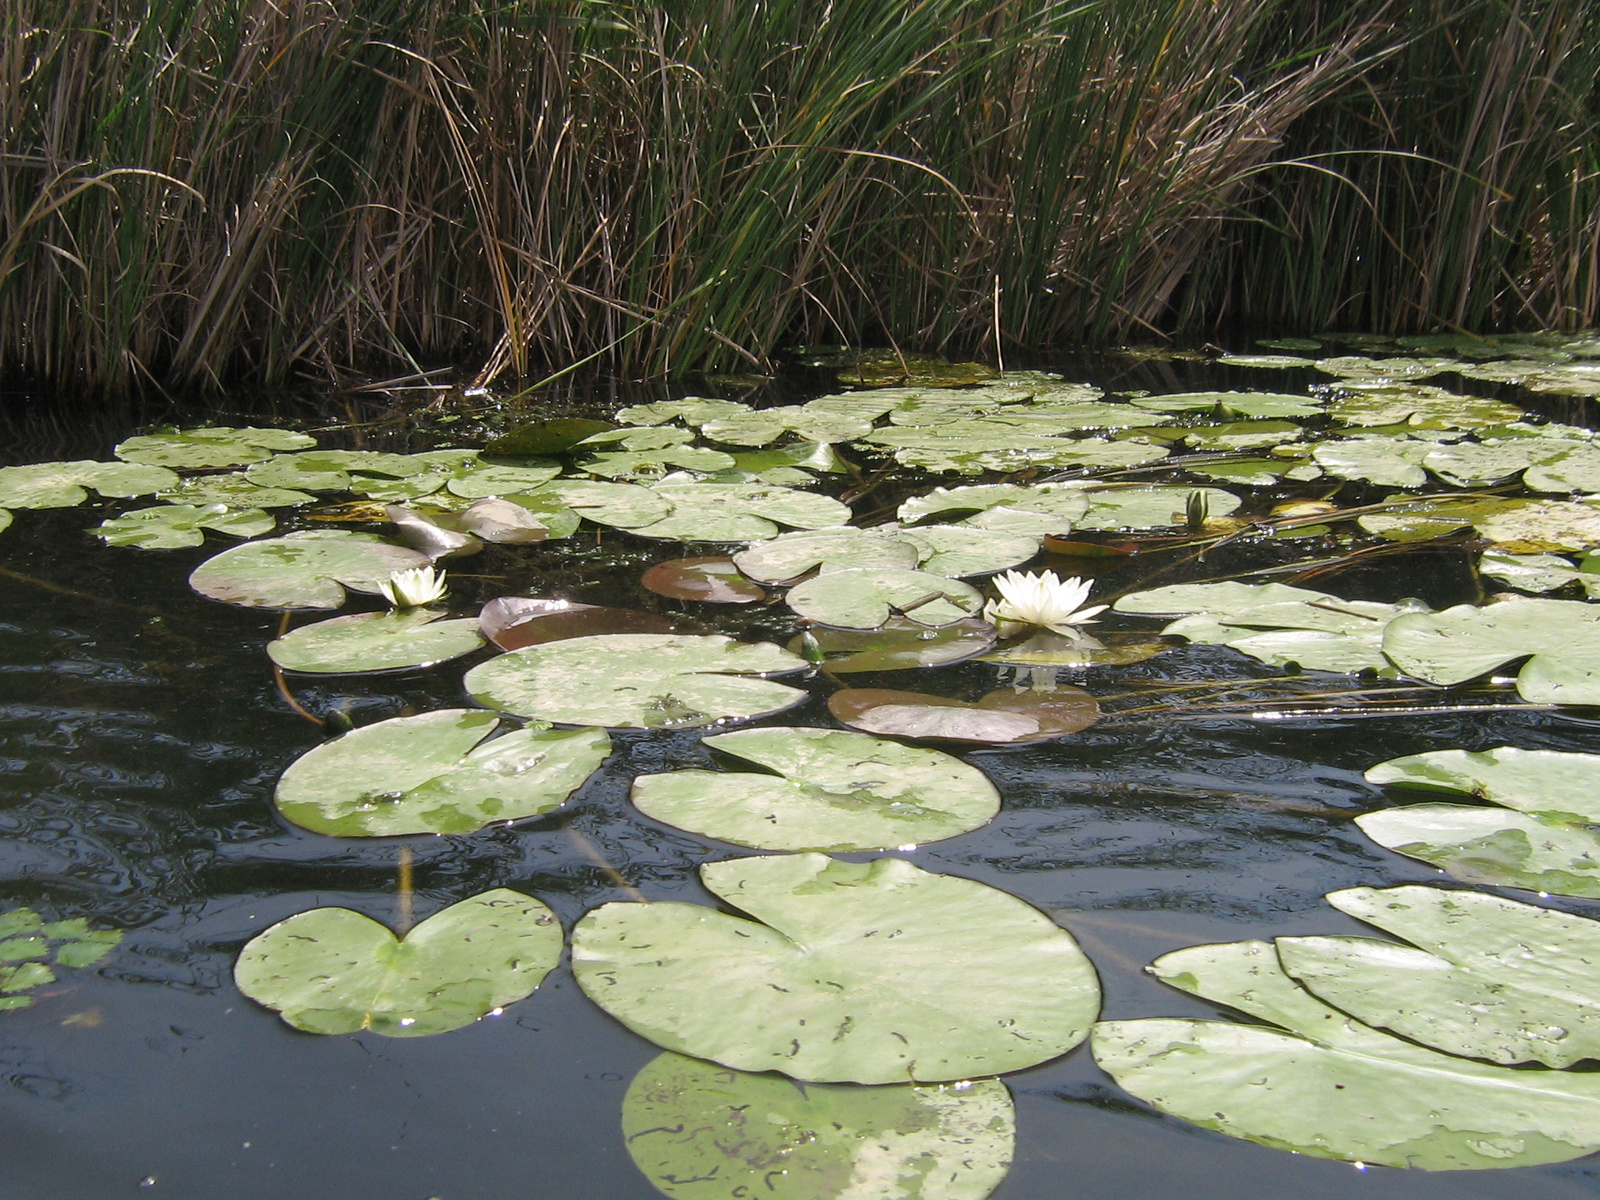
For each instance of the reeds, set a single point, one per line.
(198, 190)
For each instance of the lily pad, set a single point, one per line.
(411, 637)
(1015, 508)
(760, 427)
(1461, 643)
(310, 569)
(1387, 462)
(174, 526)
(1150, 507)
(866, 597)
(512, 622)
(873, 972)
(714, 580)
(704, 1132)
(620, 505)
(555, 435)
(331, 970)
(649, 681)
(791, 555)
(738, 512)
(1316, 1082)
(691, 410)
(899, 644)
(1048, 649)
(5, 519)
(490, 479)
(1242, 435)
(330, 470)
(1186, 599)
(219, 446)
(1002, 717)
(234, 490)
(64, 484)
(1488, 978)
(1493, 846)
(435, 773)
(827, 790)
(1421, 405)
(1245, 404)
(1541, 572)
(1532, 526)
(965, 550)
(1474, 464)
(1276, 362)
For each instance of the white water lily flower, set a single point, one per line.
(1043, 599)
(413, 588)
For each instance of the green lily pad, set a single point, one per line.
(537, 439)
(1014, 508)
(791, 555)
(219, 446)
(691, 410)
(1316, 1082)
(310, 569)
(964, 550)
(435, 773)
(1320, 634)
(972, 447)
(1464, 642)
(761, 427)
(828, 790)
(866, 597)
(1242, 435)
(1541, 572)
(1533, 526)
(972, 981)
(1150, 507)
(411, 637)
(704, 1132)
(1387, 462)
(1492, 846)
(649, 681)
(490, 479)
(1572, 468)
(64, 484)
(653, 464)
(1245, 404)
(1289, 343)
(899, 644)
(1004, 717)
(5, 519)
(1488, 978)
(1277, 362)
(1382, 370)
(234, 490)
(1549, 783)
(330, 470)
(620, 505)
(174, 526)
(331, 970)
(1426, 519)
(1255, 472)
(1421, 405)
(1187, 599)
(738, 512)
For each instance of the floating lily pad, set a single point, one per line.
(174, 526)
(1541, 572)
(426, 534)
(1255, 472)
(512, 622)
(965, 550)
(1048, 649)
(411, 637)
(330, 470)
(621, 505)
(1318, 1083)
(713, 580)
(1151, 507)
(1574, 468)
(1325, 633)
(1001, 718)
(972, 447)
(650, 681)
(556, 435)
(1464, 642)
(1382, 370)
(1489, 978)
(5, 519)
(1532, 526)
(1186, 599)
(234, 490)
(1426, 519)
(219, 446)
(1387, 462)
(873, 972)
(704, 1132)
(1014, 508)
(331, 970)
(692, 410)
(310, 569)
(1420, 405)
(489, 479)
(435, 773)
(653, 464)
(1492, 846)
(763, 426)
(64, 484)
(1276, 362)
(828, 790)
(1474, 464)
(27, 940)
(899, 644)
(791, 555)
(866, 597)
(1242, 435)
(738, 512)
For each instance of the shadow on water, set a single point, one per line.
(140, 738)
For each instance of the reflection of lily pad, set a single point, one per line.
(434, 773)
(1000, 718)
(866, 597)
(1490, 978)
(829, 790)
(63, 484)
(1318, 1083)
(302, 570)
(703, 1132)
(331, 970)
(1464, 642)
(174, 526)
(411, 637)
(647, 680)
(972, 982)
(198, 449)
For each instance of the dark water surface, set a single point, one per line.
(140, 738)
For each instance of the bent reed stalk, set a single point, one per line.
(193, 191)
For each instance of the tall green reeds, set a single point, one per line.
(193, 190)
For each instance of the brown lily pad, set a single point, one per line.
(712, 580)
(512, 622)
(1004, 717)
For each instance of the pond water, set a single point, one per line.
(142, 733)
